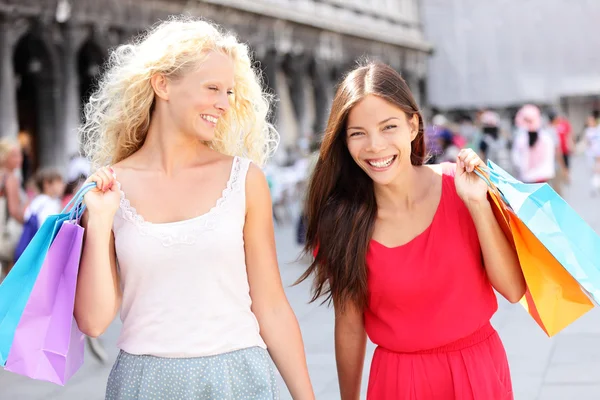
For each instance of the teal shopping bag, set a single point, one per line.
(18, 284)
(557, 226)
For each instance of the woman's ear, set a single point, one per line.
(414, 126)
(160, 85)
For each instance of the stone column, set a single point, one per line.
(296, 68)
(50, 149)
(269, 64)
(423, 101)
(413, 70)
(322, 87)
(9, 122)
(70, 110)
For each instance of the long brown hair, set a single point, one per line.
(341, 207)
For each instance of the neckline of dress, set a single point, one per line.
(428, 228)
(126, 204)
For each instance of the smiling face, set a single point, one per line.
(198, 99)
(379, 136)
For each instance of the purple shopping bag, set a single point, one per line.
(48, 345)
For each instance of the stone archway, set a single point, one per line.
(90, 59)
(35, 77)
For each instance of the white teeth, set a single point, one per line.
(382, 163)
(209, 118)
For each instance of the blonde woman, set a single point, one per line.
(12, 201)
(179, 234)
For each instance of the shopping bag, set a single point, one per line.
(557, 226)
(18, 284)
(47, 344)
(554, 299)
(29, 230)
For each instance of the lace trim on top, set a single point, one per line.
(187, 231)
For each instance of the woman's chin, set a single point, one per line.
(382, 181)
(381, 176)
(203, 136)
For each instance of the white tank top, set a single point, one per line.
(185, 286)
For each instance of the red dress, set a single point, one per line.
(429, 308)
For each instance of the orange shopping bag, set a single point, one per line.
(554, 298)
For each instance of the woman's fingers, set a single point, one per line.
(468, 159)
(104, 178)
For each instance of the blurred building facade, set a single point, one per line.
(501, 54)
(51, 52)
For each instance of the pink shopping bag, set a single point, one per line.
(48, 345)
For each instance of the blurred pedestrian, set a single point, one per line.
(470, 132)
(491, 131)
(409, 253)
(78, 171)
(13, 201)
(197, 281)
(449, 148)
(534, 149)
(25, 142)
(592, 151)
(564, 132)
(311, 162)
(433, 134)
(50, 187)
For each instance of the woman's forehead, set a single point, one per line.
(374, 108)
(216, 65)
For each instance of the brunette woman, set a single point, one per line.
(409, 253)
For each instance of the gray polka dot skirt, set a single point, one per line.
(243, 374)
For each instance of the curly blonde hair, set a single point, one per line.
(117, 116)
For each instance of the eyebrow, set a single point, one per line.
(380, 123)
(217, 83)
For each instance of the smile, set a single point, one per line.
(382, 162)
(209, 118)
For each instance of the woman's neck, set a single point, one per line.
(403, 192)
(168, 150)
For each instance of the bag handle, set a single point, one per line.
(80, 193)
(76, 204)
(490, 172)
(484, 173)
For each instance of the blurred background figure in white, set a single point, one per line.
(534, 149)
(592, 150)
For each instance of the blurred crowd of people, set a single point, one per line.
(29, 197)
(535, 148)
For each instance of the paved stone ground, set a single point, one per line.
(564, 367)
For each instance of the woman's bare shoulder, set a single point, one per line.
(437, 169)
(127, 164)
